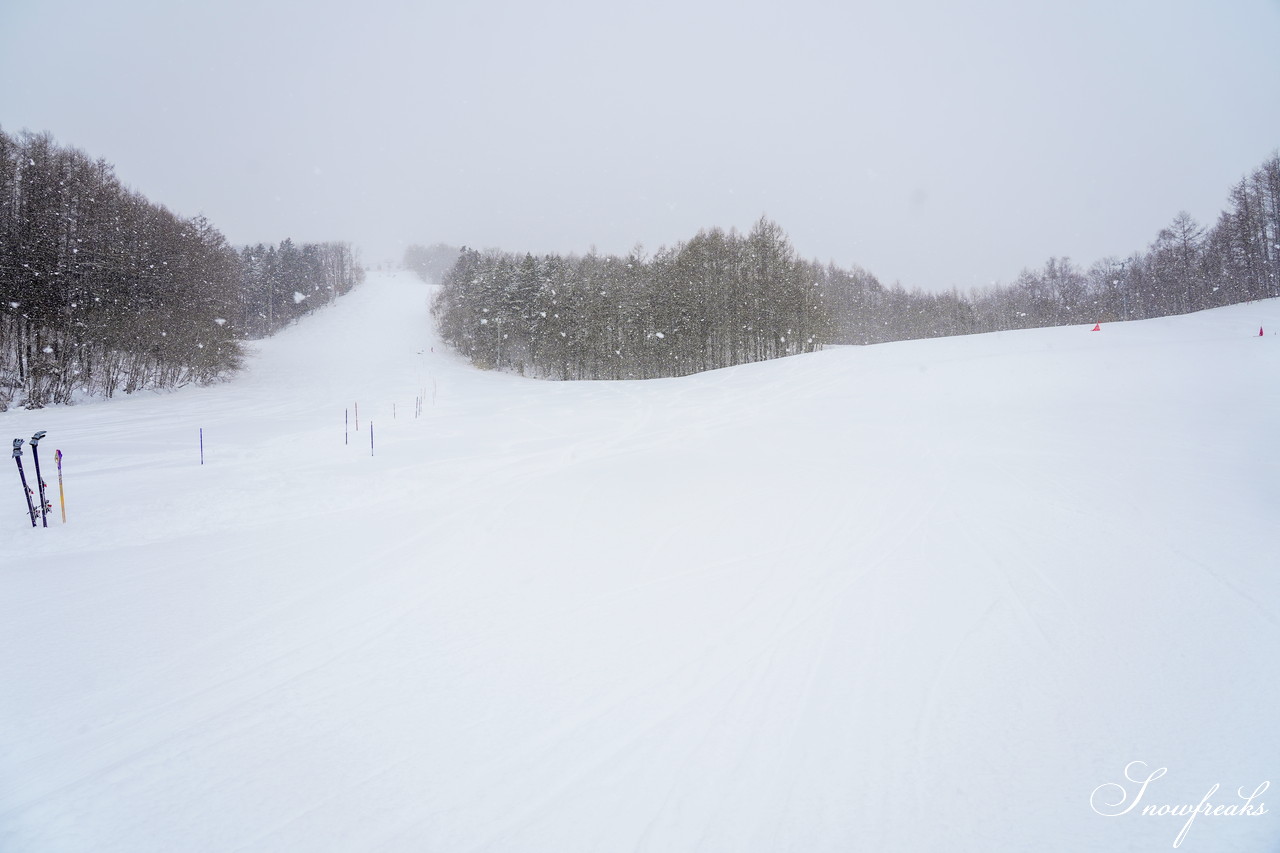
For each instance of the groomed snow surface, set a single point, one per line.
(935, 595)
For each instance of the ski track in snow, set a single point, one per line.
(917, 596)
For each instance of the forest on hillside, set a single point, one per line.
(1188, 267)
(103, 291)
(720, 298)
(723, 298)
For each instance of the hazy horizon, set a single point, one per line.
(931, 145)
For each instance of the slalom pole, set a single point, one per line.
(346, 426)
(370, 438)
(62, 497)
(201, 445)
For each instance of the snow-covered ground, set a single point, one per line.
(935, 595)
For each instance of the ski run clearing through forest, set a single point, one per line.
(931, 595)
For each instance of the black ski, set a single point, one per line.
(45, 506)
(26, 490)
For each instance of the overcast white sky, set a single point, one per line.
(938, 144)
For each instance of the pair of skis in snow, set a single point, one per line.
(46, 506)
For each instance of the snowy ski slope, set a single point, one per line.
(925, 596)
